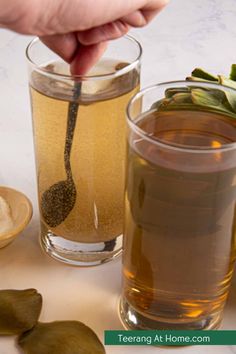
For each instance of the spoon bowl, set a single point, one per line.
(58, 201)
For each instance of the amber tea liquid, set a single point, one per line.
(97, 158)
(180, 221)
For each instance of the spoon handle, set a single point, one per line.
(71, 123)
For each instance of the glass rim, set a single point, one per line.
(178, 147)
(117, 73)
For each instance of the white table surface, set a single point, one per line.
(185, 35)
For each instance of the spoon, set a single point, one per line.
(58, 201)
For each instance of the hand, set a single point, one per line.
(77, 30)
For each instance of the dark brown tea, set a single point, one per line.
(180, 219)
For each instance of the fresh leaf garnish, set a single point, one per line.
(232, 75)
(199, 98)
(202, 74)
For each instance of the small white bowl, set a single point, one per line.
(21, 212)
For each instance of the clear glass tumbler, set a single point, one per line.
(79, 132)
(180, 224)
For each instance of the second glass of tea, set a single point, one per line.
(180, 226)
(79, 132)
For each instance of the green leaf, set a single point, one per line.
(193, 78)
(163, 102)
(19, 310)
(204, 98)
(227, 82)
(199, 98)
(232, 75)
(61, 337)
(231, 97)
(181, 98)
(169, 93)
(200, 73)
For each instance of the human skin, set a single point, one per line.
(77, 30)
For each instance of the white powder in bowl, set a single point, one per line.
(6, 221)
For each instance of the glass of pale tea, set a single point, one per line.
(79, 127)
(180, 222)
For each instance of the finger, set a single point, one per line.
(65, 45)
(86, 57)
(103, 33)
